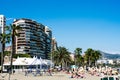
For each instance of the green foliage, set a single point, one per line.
(4, 38)
(12, 30)
(78, 51)
(21, 55)
(7, 53)
(91, 56)
(61, 56)
(78, 57)
(50, 55)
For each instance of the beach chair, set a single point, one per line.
(111, 78)
(119, 77)
(104, 78)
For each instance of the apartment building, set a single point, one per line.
(48, 33)
(2, 25)
(54, 44)
(34, 39)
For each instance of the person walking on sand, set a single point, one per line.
(50, 72)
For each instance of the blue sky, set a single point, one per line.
(75, 23)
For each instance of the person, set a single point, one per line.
(9, 70)
(13, 71)
(68, 71)
(73, 75)
(87, 69)
(49, 71)
(25, 72)
(0, 68)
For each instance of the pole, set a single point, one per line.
(1, 61)
(51, 59)
(2, 57)
(10, 66)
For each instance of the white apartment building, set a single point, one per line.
(105, 61)
(2, 25)
(35, 38)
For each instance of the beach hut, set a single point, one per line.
(22, 63)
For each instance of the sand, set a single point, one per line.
(55, 76)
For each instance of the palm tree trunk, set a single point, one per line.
(89, 62)
(66, 65)
(2, 57)
(75, 59)
(2, 60)
(11, 61)
(95, 63)
(61, 66)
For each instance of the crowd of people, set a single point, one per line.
(93, 71)
(102, 71)
(81, 72)
(78, 73)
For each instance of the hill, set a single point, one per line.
(109, 55)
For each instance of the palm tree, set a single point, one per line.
(80, 61)
(91, 56)
(88, 56)
(78, 52)
(61, 56)
(68, 60)
(53, 57)
(13, 29)
(4, 38)
(96, 55)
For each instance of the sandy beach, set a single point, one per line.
(55, 76)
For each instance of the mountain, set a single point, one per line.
(109, 55)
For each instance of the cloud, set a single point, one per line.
(112, 52)
(9, 19)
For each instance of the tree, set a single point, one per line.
(88, 56)
(68, 59)
(4, 38)
(77, 57)
(51, 56)
(13, 30)
(61, 56)
(91, 56)
(7, 53)
(80, 61)
(21, 55)
(96, 55)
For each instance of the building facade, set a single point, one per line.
(48, 33)
(2, 25)
(34, 39)
(8, 48)
(54, 44)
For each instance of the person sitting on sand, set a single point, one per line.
(73, 75)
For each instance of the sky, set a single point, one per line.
(74, 23)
